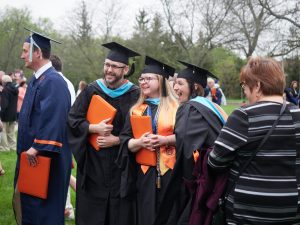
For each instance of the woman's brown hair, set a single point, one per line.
(267, 71)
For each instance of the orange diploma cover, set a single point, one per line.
(34, 180)
(141, 125)
(99, 110)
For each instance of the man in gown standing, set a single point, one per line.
(42, 131)
(98, 196)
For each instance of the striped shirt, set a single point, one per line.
(268, 190)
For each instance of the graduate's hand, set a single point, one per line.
(108, 141)
(145, 141)
(31, 157)
(157, 140)
(102, 128)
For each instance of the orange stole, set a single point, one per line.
(165, 127)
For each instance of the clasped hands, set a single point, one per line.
(152, 141)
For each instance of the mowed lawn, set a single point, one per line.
(8, 160)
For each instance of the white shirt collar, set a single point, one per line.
(41, 70)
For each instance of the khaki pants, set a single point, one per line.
(8, 140)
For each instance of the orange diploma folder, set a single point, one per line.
(141, 125)
(34, 180)
(99, 110)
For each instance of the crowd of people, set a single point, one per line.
(193, 156)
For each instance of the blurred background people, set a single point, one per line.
(211, 92)
(22, 90)
(292, 93)
(2, 171)
(9, 98)
(82, 85)
(223, 98)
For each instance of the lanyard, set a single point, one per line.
(154, 130)
(153, 120)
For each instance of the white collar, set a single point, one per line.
(41, 70)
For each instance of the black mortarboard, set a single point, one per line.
(119, 53)
(39, 40)
(195, 74)
(154, 66)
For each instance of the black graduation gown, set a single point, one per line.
(196, 127)
(98, 177)
(136, 182)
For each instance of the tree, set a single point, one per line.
(81, 45)
(226, 66)
(142, 23)
(109, 16)
(245, 25)
(12, 37)
(284, 11)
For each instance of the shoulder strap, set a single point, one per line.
(258, 148)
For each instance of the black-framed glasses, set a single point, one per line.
(242, 85)
(113, 66)
(146, 79)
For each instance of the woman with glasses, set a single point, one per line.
(149, 179)
(198, 123)
(266, 190)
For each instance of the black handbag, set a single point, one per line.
(219, 217)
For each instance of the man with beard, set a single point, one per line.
(98, 198)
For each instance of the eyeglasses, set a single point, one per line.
(242, 85)
(146, 79)
(113, 66)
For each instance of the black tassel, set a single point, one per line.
(131, 71)
(164, 88)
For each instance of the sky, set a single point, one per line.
(58, 10)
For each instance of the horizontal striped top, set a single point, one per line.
(268, 190)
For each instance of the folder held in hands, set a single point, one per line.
(34, 180)
(141, 125)
(99, 110)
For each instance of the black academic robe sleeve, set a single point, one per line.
(193, 132)
(126, 161)
(78, 127)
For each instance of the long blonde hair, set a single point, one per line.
(166, 102)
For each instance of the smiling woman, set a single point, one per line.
(157, 102)
(198, 123)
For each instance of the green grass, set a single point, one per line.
(229, 108)
(232, 104)
(8, 160)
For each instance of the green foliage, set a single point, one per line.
(12, 36)
(292, 70)
(226, 66)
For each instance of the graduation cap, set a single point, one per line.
(119, 53)
(39, 40)
(154, 66)
(195, 74)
